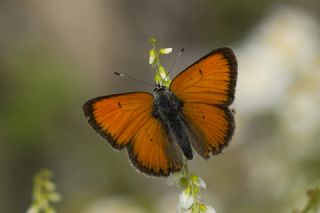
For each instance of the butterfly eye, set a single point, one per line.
(155, 113)
(156, 87)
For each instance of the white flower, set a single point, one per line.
(50, 186)
(200, 183)
(113, 204)
(210, 209)
(182, 210)
(272, 59)
(186, 199)
(33, 209)
(54, 197)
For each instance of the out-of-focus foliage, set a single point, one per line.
(313, 205)
(44, 193)
(55, 55)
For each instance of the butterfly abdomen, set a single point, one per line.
(167, 109)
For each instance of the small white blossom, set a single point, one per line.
(186, 199)
(32, 209)
(54, 197)
(182, 210)
(200, 183)
(210, 209)
(49, 186)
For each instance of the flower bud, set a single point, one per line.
(165, 51)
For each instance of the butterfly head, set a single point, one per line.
(159, 88)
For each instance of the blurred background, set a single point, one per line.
(55, 55)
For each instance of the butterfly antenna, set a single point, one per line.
(133, 79)
(176, 59)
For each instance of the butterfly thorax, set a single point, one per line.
(167, 108)
(165, 104)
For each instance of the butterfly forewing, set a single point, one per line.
(211, 80)
(118, 117)
(126, 120)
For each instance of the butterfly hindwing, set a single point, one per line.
(211, 80)
(126, 120)
(152, 152)
(214, 125)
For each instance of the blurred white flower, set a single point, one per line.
(279, 74)
(186, 199)
(114, 204)
(54, 197)
(50, 186)
(284, 44)
(200, 183)
(33, 209)
(182, 210)
(302, 115)
(210, 209)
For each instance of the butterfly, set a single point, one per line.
(162, 129)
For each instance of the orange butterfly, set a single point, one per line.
(159, 129)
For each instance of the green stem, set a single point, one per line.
(191, 186)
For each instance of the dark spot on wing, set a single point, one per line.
(200, 71)
(119, 104)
